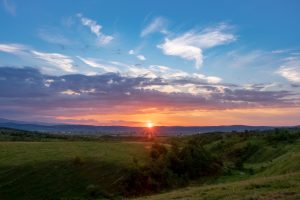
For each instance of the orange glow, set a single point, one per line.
(168, 117)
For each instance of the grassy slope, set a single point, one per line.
(49, 170)
(274, 187)
(277, 176)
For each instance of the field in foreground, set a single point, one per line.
(251, 165)
(64, 169)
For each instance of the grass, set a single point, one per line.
(51, 167)
(274, 187)
(276, 176)
(54, 170)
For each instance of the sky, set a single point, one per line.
(116, 62)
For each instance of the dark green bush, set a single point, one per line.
(171, 168)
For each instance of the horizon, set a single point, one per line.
(145, 64)
(144, 126)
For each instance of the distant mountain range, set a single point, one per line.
(121, 130)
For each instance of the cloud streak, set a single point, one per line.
(94, 63)
(12, 48)
(63, 62)
(158, 24)
(190, 45)
(52, 62)
(95, 28)
(53, 37)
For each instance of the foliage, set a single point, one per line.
(171, 168)
(202, 157)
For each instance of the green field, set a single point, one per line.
(255, 165)
(54, 170)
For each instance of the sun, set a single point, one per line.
(149, 124)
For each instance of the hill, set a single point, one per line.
(284, 187)
(270, 171)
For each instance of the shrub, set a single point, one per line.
(171, 168)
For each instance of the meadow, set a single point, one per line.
(248, 165)
(63, 169)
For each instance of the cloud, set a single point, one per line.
(284, 51)
(170, 74)
(53, 37)
(189, 92)
(9, 7)
(141, 57)
(95, 63)
(290, 73)
(255, 59)
(95, 28)
(157, 25)
(209, 79)
(131, 52)
(190, 45)
(12, 48)
(290, 69)
(63, 62)
(52, 63)
(70, 92)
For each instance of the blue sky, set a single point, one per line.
(229, 54)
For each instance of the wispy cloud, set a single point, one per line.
(290, 69)
(190, 45)
(63, 62)
(282, 51)
(9, 7)
(53, 37)
(156, 25)
(241, 58)
(96, 64)
(95, 28)
(169, 73)
(52, 62)
(12, 48)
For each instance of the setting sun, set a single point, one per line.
(149, 124)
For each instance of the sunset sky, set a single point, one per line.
(117, 62)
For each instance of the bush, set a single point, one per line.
(171, 168)
(241, 153)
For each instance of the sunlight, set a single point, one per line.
(149, 124)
